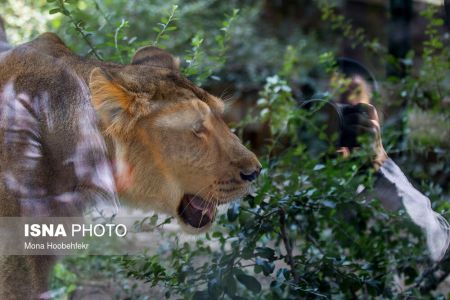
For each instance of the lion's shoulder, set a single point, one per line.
(36, 73)
(43, 63)
(50, 44)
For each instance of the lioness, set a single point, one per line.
(76, 130)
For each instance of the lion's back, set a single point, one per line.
(37, 92)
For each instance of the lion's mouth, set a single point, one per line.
(196, 212)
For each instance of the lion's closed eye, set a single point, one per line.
(199, 128)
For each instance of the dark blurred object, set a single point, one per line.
(355, 123)
(447, 12)
(283, 16)
(355, 114)
(350, 68)
(401, 12)
(4, 46)
(373, 17)
(2, 30)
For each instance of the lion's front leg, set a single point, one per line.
(25, 277)
(40, 267)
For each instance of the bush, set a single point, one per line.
(303, 233)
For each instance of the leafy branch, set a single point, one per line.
(288, 245)
(202, 64)
(123, 24)
(345, 27)
(60, 7)
(164, 26)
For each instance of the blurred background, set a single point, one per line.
(393, 40)
(267, 59)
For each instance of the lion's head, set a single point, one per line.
(173, 152)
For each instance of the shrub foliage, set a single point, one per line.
(304, 232)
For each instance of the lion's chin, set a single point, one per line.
(196, 213)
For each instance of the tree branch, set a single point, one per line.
(434, 275)
(288, 246)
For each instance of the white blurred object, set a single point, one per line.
(395, 190)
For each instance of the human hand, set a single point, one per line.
(361, 120)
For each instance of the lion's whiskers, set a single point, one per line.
(207, 207)
(192, 199)
(214, 199)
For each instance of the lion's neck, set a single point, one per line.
(83, 67)
(50, 44)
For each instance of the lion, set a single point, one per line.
(76, 131)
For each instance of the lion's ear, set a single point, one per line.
(118, 108)
(156, 57)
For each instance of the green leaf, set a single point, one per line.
(201, 295)
(437, 22)
(248, 281)
(217, 234)
(229, 284)
(233, 211)
(265, 252)
(214, 288)
(328, 203)
(66, 12)
(247, 251)
(154, 219)
(266, 266)
(54, 11)
(318, 167)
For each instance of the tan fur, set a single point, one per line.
(148, 114)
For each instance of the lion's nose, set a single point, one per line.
(250, 176)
